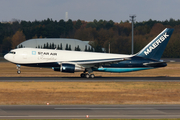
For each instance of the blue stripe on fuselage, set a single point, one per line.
(119, 70)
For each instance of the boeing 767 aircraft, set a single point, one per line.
(87, 62)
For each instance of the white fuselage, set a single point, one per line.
(34, 55)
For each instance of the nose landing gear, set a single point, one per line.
(18, 69)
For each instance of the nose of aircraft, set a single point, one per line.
(6, 57)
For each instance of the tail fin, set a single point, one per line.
(156, 47)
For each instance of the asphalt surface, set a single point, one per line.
(96, 79)
(93, 111)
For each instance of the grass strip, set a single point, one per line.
(59, 93)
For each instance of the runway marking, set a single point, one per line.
(41, 116)
(96, 116)
(104, 108)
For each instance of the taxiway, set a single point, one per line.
(91, 111)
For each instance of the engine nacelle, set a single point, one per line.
(56, 68)
(70, 68)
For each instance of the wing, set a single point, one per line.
(101, 61)
(96, 62)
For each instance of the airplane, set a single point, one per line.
(87, 62)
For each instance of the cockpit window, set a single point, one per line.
(12, 52)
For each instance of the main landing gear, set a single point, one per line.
(18, 69)
(87, 75)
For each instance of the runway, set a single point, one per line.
(93, 111)
(96, 79)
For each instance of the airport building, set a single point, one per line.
(57, 43)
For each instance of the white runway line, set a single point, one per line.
(104, 108)
(95, 116)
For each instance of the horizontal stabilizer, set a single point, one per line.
(156, 64)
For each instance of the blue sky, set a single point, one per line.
(89, 10)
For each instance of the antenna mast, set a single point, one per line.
(132, 19)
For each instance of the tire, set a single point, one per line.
(87, 75)
(92, 76)
(82, 75)
(18, 72)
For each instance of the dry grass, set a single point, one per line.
(9, 70)
(28, 93)
(89, 93)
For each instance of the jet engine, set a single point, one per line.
(70, 68)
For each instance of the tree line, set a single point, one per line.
(60, 47)
(101, 32)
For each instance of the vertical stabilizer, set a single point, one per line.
(156, 47)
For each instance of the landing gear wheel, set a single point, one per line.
(18, 72)
(18, 69)
(87, 75)
(82, 75)
(92, 76)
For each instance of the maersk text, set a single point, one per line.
(156, 44)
